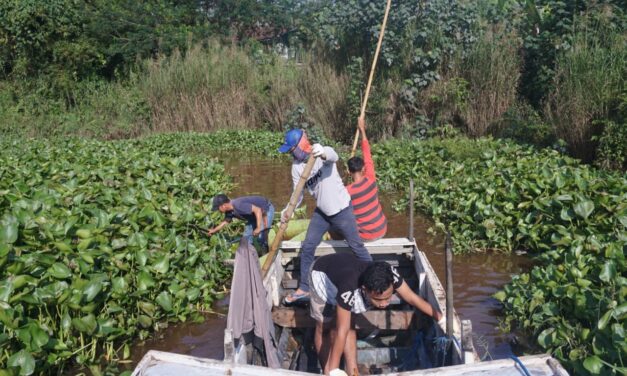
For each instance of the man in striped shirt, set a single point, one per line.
(371, 222)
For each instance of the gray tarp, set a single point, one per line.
(248, 307)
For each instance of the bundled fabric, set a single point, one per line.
(248, 305)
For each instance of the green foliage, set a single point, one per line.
(46, 37)
(68, 40)
(548, 28)
(102, 110)
(127, 30)
(575, 217)
(523, 124)
(243, 19)
(612, 150)
(98, 244)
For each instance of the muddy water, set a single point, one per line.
(476, 277)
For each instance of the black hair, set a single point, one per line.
(377, 277)
(220, 199)
(355, 164)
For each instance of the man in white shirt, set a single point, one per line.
(333, 204)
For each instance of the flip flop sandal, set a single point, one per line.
(296, 298)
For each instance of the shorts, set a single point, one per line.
(319, 309)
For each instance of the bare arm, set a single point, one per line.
(343, 324)
(410, 297)
(259, 217)
(217, 228)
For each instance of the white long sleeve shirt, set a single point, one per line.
(324, 183)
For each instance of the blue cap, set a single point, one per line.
(292, 138)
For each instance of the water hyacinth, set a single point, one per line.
(99, 245)
(495, 195)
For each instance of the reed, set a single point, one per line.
(588, 80)
(492, 69)
(227, 87)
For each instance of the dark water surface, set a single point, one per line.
(476, 277)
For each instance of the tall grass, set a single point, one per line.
(588, 79)
(492, 69)
(227, 87)
(208, 88)
(323, 91)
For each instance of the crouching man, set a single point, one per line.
(342, 285)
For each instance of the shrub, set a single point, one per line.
(523, 123)
(612, 149)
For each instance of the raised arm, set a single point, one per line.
(365, 149)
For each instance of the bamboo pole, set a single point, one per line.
(290, 210)
(448, 256)
(372, 70)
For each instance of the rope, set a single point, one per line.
(524, 369)
(442, 345)
(372, 69)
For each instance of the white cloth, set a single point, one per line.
(324, 183)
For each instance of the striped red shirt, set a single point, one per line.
(371, 221)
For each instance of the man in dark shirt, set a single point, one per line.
(257, 211)
(341, 284)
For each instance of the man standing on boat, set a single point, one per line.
(333, 205)
(371, 221)
(342, 285)
(257, 211)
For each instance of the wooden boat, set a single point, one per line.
(159, 363)
(398, 338)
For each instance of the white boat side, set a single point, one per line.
(159, 363)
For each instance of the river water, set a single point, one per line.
(475, 277)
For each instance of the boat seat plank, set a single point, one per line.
(386, 242)
(298, 317)
(383, 246)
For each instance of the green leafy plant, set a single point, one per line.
(570, 215)
(99, 245)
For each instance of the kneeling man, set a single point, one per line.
(341, 284)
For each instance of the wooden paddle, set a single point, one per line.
(290, 210)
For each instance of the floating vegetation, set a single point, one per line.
(98, 245)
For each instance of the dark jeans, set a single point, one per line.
(344, 223)
(265, 228)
